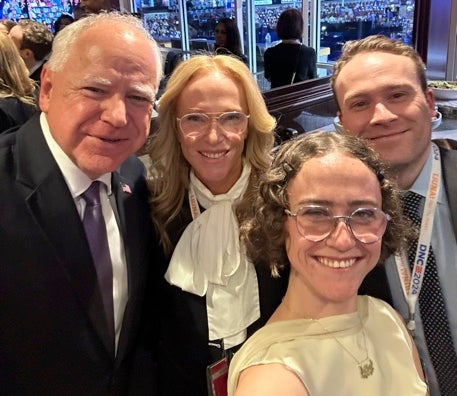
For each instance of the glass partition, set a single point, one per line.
(340, 21)
(189, 25)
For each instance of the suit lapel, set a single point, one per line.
(123, 190)
(449, 168)
(128, 206)
(52, 206)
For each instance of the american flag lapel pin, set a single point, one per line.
(126, 188)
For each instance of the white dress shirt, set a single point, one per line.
(78, 182)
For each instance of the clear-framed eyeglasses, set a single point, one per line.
(198, 124)
(315, 223)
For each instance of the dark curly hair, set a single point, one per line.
(36, 37)
(58, 22)
(264, 233)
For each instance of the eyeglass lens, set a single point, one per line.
(317, 223)
(195, 124)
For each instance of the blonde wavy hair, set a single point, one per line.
(169, 170)
(14, 75)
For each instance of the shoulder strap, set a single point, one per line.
(296, 64)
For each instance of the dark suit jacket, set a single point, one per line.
(53, 338)
(375, 284)
(14, 112)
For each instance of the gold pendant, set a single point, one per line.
(366, 369)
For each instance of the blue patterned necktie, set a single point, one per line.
(94, 225)
(433, 309)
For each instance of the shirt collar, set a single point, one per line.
(35, 67)
(420, 186)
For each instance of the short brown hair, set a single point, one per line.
(378, 43)
(36, 37)
(290, 25)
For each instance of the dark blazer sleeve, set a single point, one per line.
(5, 121)
(13, 113)
(449, 169)
(308, 63)
(267, 64)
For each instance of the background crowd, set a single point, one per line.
(379, 15)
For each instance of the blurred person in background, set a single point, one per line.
(17, 89)
(87, 7)
(34, 42)
(227, 40)
(290, 61)
(61, 22)
(6, 25)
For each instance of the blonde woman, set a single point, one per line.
(214, 140)
(17, 90)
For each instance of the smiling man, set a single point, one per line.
(76, 233)
(381, 90)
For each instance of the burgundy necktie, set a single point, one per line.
(94, 224)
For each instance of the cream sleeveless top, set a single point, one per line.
(324, 366)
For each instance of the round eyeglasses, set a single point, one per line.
(198, 124)
(315, 223)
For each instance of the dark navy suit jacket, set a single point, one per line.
(13, 112)
(53, 338)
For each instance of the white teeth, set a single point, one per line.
(336, 263)
(213, 155)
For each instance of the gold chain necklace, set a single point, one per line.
(365, 365)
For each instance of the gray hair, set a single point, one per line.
(65, 40)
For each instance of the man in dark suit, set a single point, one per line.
(66, 328)
(34, 42)
(381, 89)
